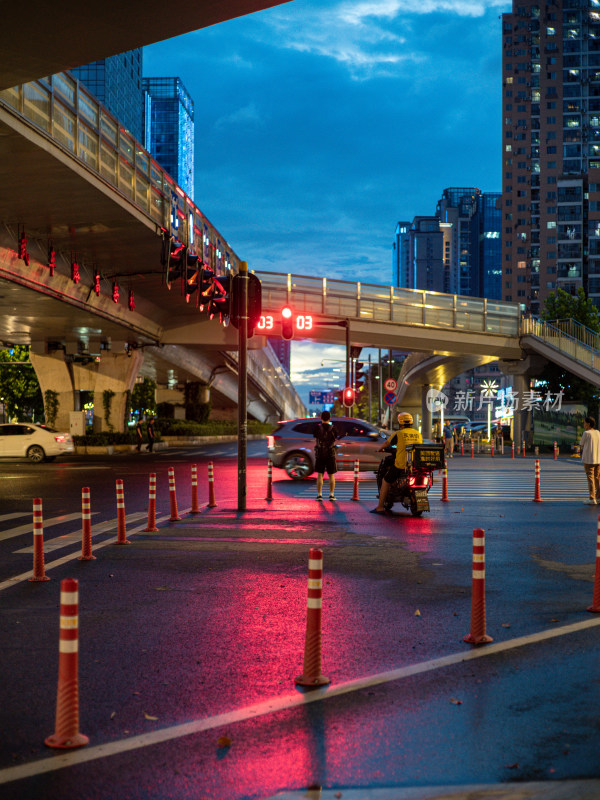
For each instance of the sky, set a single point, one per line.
(319, 125)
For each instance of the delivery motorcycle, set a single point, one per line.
(411, 490)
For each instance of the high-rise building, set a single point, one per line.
(418, 255)
(472, 224)
(400, 254)
(117, 82)
(551, 150)
(169, 129)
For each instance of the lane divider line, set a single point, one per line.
(73, 556)
(74, 536)
(275, 704)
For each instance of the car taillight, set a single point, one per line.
(271, 441)
(60, 438)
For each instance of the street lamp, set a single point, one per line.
(489, 389)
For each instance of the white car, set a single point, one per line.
(33, 441)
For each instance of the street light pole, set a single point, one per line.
(242, 383)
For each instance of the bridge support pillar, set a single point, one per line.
(425, 413)
(116, 373)
(522, 372)
(54, 374)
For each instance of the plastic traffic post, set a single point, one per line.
(512, 449)
(195, 507)
(173, 496)
(477, 634)
(472, 449)
(595, 607)
(39, 571)
(537, 497)
(211, 485)
(444, 496)
(121, 529)
(555, 451)
(151, 527)
(269, 479)
(355, 491)
(86, 526)
(66, 734)
(523, 449)
(311, 673)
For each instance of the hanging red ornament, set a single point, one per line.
(115, 292)
(75, 276)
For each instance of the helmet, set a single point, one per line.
(405, 418)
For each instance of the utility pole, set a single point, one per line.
(370, 420)
(348, 375)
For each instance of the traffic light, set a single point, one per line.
(287, 323)
(254, 301)
(349, 397)
(359, 377)
(175, 260)
(191, 274)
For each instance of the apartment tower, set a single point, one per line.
(551, 150)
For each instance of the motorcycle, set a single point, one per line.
(411, 490)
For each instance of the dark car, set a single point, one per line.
(291, 446)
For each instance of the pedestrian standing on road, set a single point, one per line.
(448, 440)
(140, 435)
(151, 435)
(325, 435)
(590, 455)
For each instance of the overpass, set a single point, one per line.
(95, 207)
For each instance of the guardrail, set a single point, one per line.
(368, 301)
(564, 335)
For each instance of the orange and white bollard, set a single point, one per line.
(66, 735)
(444, 496)
(595, 607)
(356, 470)
(472, 449)
(523, 449)
(462, 448)
(512, 449)
(211, 486)
(537, 497)
(151, 527)
(195, 507)
(86, 526)
(311, 672)
(121, 528)
(555, 451)
(173, 496)
(269, 479)
(39, 571)
(492, 450)
(477, 634)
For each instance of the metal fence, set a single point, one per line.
(568, 336)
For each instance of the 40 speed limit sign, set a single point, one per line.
(390, 385)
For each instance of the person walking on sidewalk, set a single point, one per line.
(325, 435)
(139, 434)
(449, 439)
(151, 435)
(590, 455)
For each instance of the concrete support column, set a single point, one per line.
(425, 413)
(521, 372)
(115, 373)
(54, 374)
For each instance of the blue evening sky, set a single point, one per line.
(321, 124)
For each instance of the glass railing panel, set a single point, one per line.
(434, 300)
(273, 297)
(370, 291)
(108, 164)
(156, 206)
(87, 148)
(87, 108)
(125, 178)
(142, 187)
(126, 145)
(64, 126)
(108, 128)
(307, 284)
(36, 105)
(339, 288)
(66, 86)
(12, 97)
(375, 310)
(407, 312)
(469, 321)
(156, 175)
(408, 296)
(141, 162)
(439, 317)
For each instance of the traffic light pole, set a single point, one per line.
(242, 384)
(348, 376)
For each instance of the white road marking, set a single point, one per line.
(275, 704)
(14, 515)
(74, 536)
(48, 523)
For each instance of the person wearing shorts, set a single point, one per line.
(325, 435)
(407, 435)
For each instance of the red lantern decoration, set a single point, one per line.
(51, 261)
(75, 276)
(97, 282)
(23, 254)
(115, 292)
(131, 300)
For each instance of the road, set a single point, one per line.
(190, 638)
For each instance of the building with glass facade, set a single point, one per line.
(551, 150)
(169, 129)
(117, 83)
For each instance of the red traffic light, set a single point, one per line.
(286, 312)
(349, 395)
(287, 325)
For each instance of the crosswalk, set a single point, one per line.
(564, 486)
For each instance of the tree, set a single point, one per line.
(561, 305)
(19, 388)
(143, 397)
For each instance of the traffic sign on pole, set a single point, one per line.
(390, 385)
(390, 398)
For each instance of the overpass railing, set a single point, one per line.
(368, 301)
(567, 336)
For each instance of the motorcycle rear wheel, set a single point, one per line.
(413, 509)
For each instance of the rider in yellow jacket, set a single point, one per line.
(407, 435)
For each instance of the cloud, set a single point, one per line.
(247, 115)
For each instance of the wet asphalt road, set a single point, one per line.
(207, 618)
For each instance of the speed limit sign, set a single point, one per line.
(390, 385)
